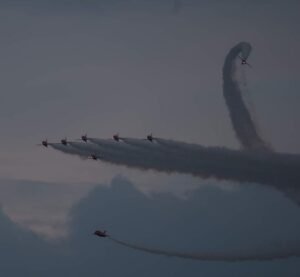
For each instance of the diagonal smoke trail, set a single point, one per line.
(242, 122)
(222, 257)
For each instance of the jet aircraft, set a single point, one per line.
(93, 157)
(244, 61)
(84, 138)
(150, 138)
(99, 233)
(116, 137)
(64, 141)
(44, 143)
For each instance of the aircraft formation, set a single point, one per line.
(85, 138)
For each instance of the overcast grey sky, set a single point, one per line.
(135, 67)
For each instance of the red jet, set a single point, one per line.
(100, 234)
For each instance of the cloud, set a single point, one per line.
(185, 228)
(22, 252)
(39, 206)
(249, 219)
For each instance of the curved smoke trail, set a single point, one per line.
(221, 257)
(242, 122)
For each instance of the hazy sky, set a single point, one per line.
(243, 221)
(135, 67)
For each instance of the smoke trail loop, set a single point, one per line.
(241, 119)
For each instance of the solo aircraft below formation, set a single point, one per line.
(100, 233)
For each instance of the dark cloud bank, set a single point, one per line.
(248, 221)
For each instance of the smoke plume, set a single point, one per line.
(242, 123)
(278, 170)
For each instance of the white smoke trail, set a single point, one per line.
(247, 95)
(133, 158)
(111, 154)
(281, 171)
(109, 144)
(241, 119)
(145, 146)
(221, 257)
(69, 150)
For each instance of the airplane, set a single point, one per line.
(84, 138)
(150, 138)
(244, 61)
(64, 141)
(44, 143)
(93, 157)
(102, 234)
(116, 137)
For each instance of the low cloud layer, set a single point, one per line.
(244, 221)
(31, 205)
